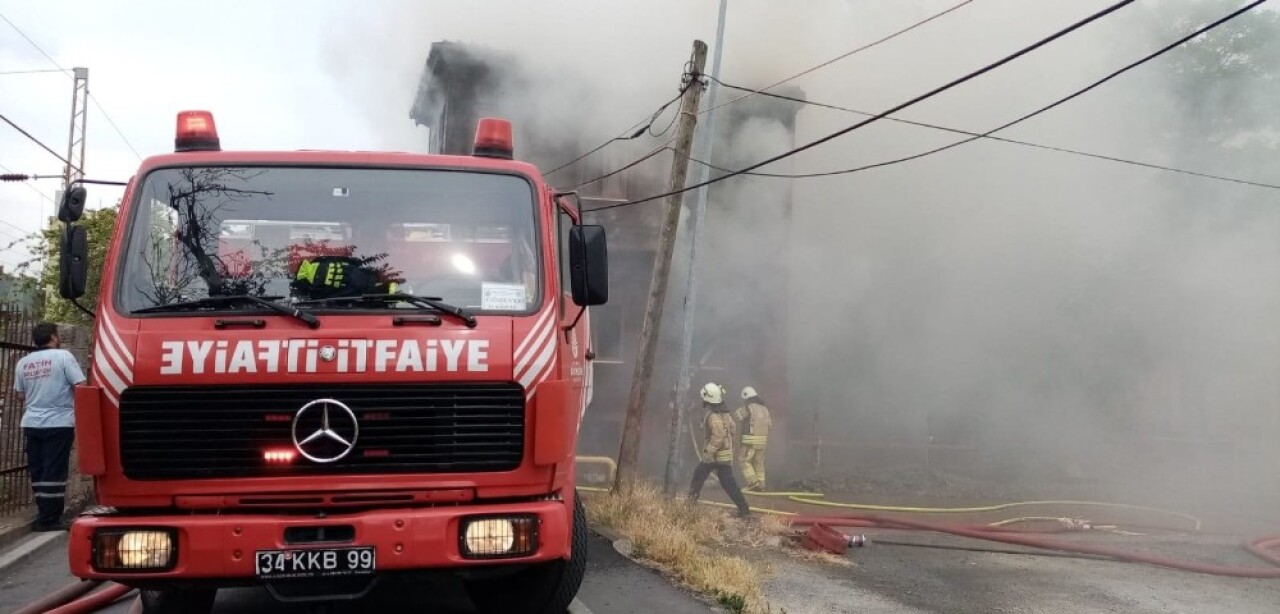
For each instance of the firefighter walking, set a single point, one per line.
(717, 451)
(754, 417)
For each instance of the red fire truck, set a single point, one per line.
(321, 371)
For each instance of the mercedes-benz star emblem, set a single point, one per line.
(329, 430)
(328, 353)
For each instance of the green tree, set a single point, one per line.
(1214, 97)
(1225, 82)
(45, 251)
(1220, 87)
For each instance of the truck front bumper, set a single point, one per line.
(224, 546)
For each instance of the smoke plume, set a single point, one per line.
(1015, 312)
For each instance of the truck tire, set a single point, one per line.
(547, 588)
(178, 601)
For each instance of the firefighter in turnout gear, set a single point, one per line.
(717, 451)
(754, 417)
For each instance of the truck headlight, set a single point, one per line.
(135, 549)
(485, 537)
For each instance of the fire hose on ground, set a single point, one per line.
(79, 598)
(1261, 547)
(1264, 548)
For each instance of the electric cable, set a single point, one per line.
(653, 118)
(992, 137)
(842, 56)
(29, 186)
(33, 43)
(102, 110)
(1080, 92)
(659, 149)
(11, 225)
(27, 72)
(913, 101)
(112, 123)
(636, 130)
(33, 139)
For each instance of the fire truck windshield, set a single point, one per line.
(468, 238)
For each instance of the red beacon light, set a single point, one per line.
(493, 139)
(196, 132)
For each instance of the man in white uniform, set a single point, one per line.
(45, 380)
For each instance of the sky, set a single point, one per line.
(147, 60)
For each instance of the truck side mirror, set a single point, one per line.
(73, 262)
(72, 206)
(588, 265)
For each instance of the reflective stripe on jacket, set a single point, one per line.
(719, 430)
(755, 424)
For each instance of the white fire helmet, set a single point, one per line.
(749, 392)
(713, 393)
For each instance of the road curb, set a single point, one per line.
(620, 544)
(27, 548)
(623, 547)
(577, 607)
(607, 533)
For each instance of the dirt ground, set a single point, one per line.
(901, 579)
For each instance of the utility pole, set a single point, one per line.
(76, 133)
(629, 451)
(706, 141)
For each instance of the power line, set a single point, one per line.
(663, 147)
(639, 128)
(627, 135)
(112, 123)
(28, 186)
(38, 142)
(26, 72)
(102, 110)
(26, 233)
(975, 136)
(654, 117)
(934, 92)
(842, 56)
(33, 43)
(988, 136)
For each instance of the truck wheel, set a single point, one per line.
(548, 588)
(178, 601)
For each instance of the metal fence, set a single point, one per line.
(15, 342)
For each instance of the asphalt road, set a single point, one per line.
(613, 585)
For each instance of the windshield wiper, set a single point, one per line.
(213, 301)
(426, 302)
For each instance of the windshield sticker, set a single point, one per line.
(502, 297)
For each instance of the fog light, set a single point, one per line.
(498, 537)
(134, 550)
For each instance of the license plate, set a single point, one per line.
(316, 562)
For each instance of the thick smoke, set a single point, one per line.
(1034, 315)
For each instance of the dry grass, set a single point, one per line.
(682, 539)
